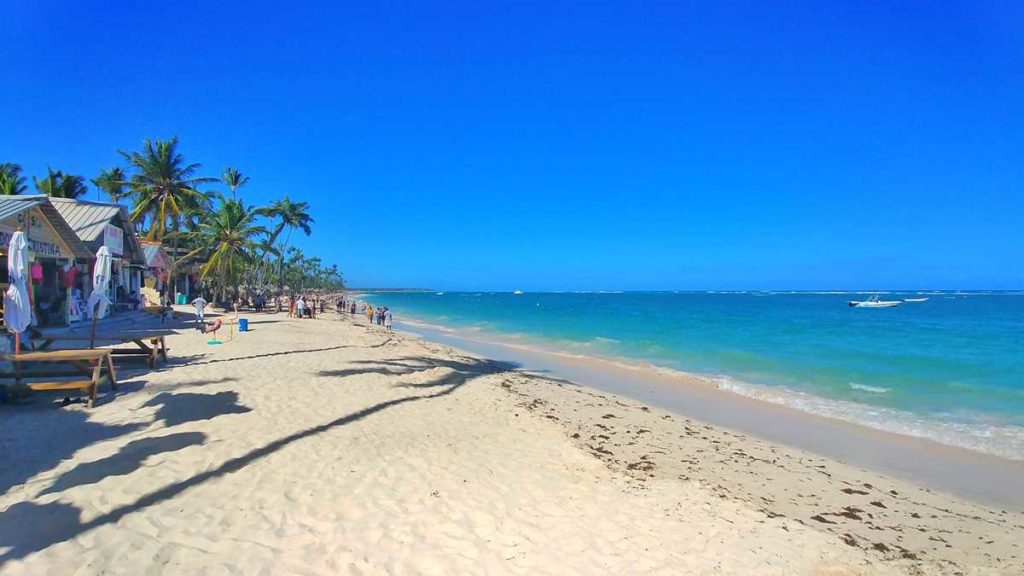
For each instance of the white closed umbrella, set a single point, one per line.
(100, 284)
(17, 307)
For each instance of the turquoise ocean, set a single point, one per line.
(950, 369)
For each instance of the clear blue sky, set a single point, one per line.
(542, 145)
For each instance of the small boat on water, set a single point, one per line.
(915, 299)
(874, 302)
(517, 293)
(440, 293)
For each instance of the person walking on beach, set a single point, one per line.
(321, 306)
(200, 305)
(291, 306)
(369, 313)
(387, 318)
(300, 307)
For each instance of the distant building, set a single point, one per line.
(158, 264)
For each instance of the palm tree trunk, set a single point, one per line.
(284, 250)
(174, 270)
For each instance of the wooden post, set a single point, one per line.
(95, 313)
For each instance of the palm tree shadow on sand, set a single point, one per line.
(127, 460)
(29, 527)
(461, 369)
(182, 407)
(198, 360)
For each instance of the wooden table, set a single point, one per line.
(87, 362)
(157, 344)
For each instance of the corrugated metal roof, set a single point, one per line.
(78, 248)
(13, 205)
(87, 219)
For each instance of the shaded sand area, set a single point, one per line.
(326, 447)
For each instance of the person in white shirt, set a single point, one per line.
(200, 305)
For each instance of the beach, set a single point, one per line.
(330, 446)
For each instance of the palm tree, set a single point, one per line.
(229, 237)
(290, 215)
(164, 189)
(163, 185)
(257, 274)
(11, 180)
(301, 272)
(113, 182)
(60, 185)
(234, 179)
(196, 209)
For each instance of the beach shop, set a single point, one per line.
(56, 256)
(104, 224)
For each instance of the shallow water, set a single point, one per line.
(950, 369)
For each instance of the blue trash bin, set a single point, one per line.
(243, 324)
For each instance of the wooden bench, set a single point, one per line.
(156, 347)
(90, 363)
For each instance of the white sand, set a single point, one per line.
(321, 447)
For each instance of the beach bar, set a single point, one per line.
(104, 224)
(58, 259)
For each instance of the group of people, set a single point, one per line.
(381, 315)
(259, 303)
(305, 306)
(302, 306)
(309, 305)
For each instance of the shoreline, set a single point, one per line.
(980, 476)
(331, 446)
(972, 431)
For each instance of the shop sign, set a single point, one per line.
(40, 247)
(113, 239)
(40, 240)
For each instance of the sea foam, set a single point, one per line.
(866, 388)
(1002, 440)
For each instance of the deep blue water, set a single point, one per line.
(951, 368)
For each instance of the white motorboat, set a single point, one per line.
(517, 293)
(915, 299)
(874, 302)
